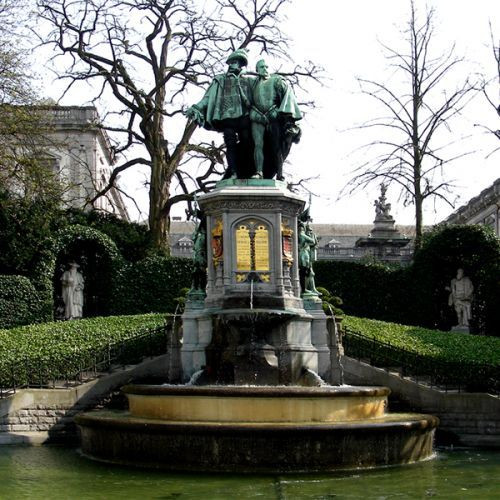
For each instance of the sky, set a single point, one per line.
(344, 37)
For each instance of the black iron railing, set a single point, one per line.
(50, 372)
(446, 375)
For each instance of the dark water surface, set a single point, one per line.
(60, 473)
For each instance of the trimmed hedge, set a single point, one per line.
(20, 303)
(151, 285)
(448, 358)
(367, 290)
(36, 354)
(436, 344)
(417, 294)
(100, 262)
(474, 248)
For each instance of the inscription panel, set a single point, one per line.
(243, 248)
(261, 248)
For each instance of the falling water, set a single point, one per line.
(337, 341)
(251, 294)
(195, 377)
(172, 342)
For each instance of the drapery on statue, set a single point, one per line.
(308, 243)
(72, 292)
(461, 295)
(256, 115)
(273, 116)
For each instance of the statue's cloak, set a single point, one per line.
(227, 98)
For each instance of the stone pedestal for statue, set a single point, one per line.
(460, 329)
(384, 237)
(253, 313)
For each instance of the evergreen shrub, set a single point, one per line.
(476, 250)
(417, 295)
(469, 360)
(151, 285)
(20, 303)
(36, 354)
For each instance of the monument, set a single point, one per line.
(72, 292)
(384, 238)
(461, 295)
(261, 382)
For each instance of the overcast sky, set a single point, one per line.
(344, 37)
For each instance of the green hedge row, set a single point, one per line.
(468, 360)
(151, 285)
(367, 290)
(37, 354)
(20, 303)
(438, 345)
(417, 294)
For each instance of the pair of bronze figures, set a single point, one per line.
(257, 116)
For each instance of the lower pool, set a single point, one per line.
(61, 473)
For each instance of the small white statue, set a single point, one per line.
(72, 292)
(461, 294)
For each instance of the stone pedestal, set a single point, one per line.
(253, 311)
(460, 329)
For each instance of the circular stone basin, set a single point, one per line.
(256, 404)
(256, 429)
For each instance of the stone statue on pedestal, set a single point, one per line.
(382, 207)
(72, 292)
(461, 295)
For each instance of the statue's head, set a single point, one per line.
(262, 68)
(237, 60)
(460, 273)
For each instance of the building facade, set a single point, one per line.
(482, 209)
(82, 157)
(335, 242)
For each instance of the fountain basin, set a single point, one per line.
(256, 429)
(259, 404)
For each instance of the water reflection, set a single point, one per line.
(60, 473)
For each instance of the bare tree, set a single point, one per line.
(411, 154)
(495, 83)
(148, 54)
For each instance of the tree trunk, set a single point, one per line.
(159, 193)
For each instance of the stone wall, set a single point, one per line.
(466, 419)
(37, 416)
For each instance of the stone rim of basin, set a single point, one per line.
(256, 391)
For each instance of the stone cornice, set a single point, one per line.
(488, 197)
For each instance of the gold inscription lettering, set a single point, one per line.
(261, 249)
(243, 256)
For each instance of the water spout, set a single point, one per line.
(195, 377)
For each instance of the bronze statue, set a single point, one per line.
(199, 237)
(308, 243)
(273, 116)
(225, 107)
(256, 115)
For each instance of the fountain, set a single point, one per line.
(261, 380)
